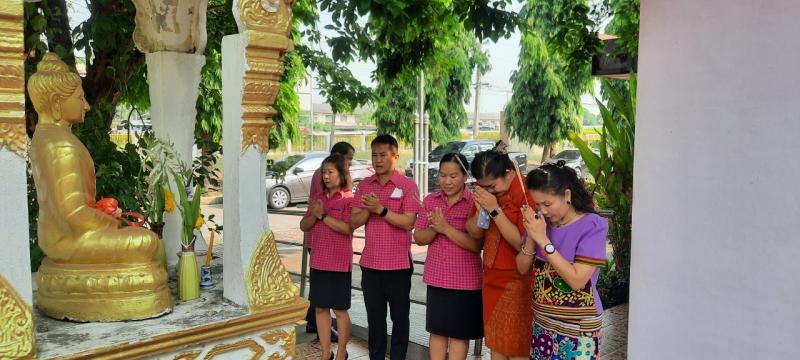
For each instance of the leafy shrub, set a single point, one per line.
(612, 286)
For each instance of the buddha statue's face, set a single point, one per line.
(73, 108)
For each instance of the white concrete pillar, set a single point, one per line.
(245, 202)
(15, 257)
(716, 198)
(174, 86)
(15, 263)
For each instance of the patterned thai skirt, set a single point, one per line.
(556, 339)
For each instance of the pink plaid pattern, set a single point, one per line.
(387, 247)
(332, 251)
(448, 265)
(316, 188)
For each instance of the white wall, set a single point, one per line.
(716, 250)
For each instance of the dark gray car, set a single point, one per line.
(468, 148)
(288, 180)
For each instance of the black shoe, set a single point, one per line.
(346, 356)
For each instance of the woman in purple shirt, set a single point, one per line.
(565, 245)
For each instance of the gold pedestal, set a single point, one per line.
(102, 292)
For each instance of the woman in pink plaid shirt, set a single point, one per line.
(331, 253)
(453, 269)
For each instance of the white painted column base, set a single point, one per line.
(15, 264)
(174, 86)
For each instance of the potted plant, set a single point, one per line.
(164, 166)
(159, 161)
(612, 170)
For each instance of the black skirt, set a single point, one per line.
(455, 314)
(330, 289)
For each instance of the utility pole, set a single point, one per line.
(477, 103)
(311, 100)
(333, 130)
(420, 140)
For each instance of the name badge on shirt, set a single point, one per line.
(396, 194)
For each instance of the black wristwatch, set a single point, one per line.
(322, 217)
(549, 249)
(494, 213)
(384, 212)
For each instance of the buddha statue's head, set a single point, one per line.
(56, 92)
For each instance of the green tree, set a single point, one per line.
(402, 34)
(447, 88)
(590, 119)
(553, 72)
(625, 23)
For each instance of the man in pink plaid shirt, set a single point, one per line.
(387, 203)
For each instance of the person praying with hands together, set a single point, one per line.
(565, 246)
(507, 313)
(388, 203)
(332, 253)
(453, 265)
(347, 152)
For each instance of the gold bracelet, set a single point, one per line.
(522, 250)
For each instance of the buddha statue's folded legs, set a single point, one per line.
(128, 245)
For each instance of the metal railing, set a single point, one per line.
(478, 349)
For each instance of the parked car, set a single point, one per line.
(288, 180)
(468, 148)
(573, 159)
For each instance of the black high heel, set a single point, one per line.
(346, 356)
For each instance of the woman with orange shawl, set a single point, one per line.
(507, 306)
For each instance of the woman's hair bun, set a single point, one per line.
(501, 147)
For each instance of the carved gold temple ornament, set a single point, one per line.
(17, 340)
(267, 24)
(12, 78)
(288, 339)
(268, 283)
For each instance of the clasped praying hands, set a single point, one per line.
(484, 199)
(535, 225)
(437, 221)
(316, 208)
(372, 203)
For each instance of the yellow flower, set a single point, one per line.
(199, 222)
(169, 201)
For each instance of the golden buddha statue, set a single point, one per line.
(95, 270)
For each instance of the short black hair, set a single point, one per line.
(385, 139)
(342, 148)
(337, 161)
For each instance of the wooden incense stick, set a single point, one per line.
(210, 249)
(519, 177)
